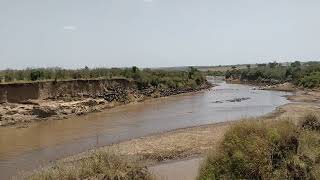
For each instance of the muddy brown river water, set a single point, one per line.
(25, 149)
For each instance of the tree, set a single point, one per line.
(35, 75)
(192, 72)
(261, 65)
(8, 78)
(296, 64)
(19, 75)
(273, 64)
(135, 69)
(136, 75)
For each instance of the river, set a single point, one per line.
(28, 148)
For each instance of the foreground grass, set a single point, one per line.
(102, 165)
(267, 150)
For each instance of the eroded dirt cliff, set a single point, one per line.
(27, 102)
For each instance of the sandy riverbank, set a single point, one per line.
(196, 141)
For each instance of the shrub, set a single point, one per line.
(311, 81)
(214, 73)
(8, 78)
(253, 150)
(270, 150)
(310, 152)
(35, 75)
(311, 122)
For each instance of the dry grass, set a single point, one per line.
(311, 122)
(102, 165)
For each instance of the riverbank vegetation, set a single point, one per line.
(214, 73)
(301, 74)
(102, 165)
(267, 150)
(144, 77)
(90, 91)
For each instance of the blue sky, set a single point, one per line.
(156, 33)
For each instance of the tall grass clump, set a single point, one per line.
(311, 122)
(265, 150)
(102, 165)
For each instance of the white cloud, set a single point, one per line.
(148, 1)
(70, 28)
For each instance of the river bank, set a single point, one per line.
(25, 149)
(191, 142)
(23, 103)
(196, 141)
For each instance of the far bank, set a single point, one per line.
(22, 103)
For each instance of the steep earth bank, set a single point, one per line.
(22, 103)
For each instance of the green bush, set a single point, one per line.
(8, 78)
(267, 150)
(311, 81)
(214, 73)
(36, 75)
(256, 150)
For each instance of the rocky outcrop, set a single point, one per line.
(238, 99)
(43, 111)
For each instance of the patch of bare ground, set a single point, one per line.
(300, 94)
(37, 110)
(176, 144)
(307, 96)
(289, 87)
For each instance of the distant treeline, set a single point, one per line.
(301, 74)
(144, 77)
